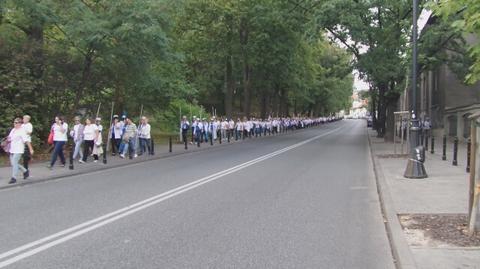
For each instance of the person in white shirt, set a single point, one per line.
(199, 132)
(144, 136)
(194, 126)
(27, 126)
(116, 135)
(77, 135)
(98, 141)
(206, 130)
(248, 128)
(60, 129)
(90, 133)
(224, 128)
(231, 127)
(239, 129)
(18, 138)
(214, 127)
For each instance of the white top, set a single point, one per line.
(118, 130)
(18, 138)
(28, 130)
(60, 132)
(76, 133)
(224, 125)
(144, 131)
(239, 126)
(89, 132)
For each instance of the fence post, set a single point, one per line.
(444, 153)
(104, 153)
(474, 188)
(433, 145)
(170, 144)
(469, 151)
(455, 151)
(70, 165)
(426, 141)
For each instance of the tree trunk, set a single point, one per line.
(382, 111)
(390, 116)
(229, 87)
(390, 120)
(283, 103)
(373, 108)
(246, 67)
(87, 66)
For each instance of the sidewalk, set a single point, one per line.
(39, 171)
(443, 195)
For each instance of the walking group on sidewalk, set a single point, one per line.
(222, 128)
(87, 141)
(128, 139)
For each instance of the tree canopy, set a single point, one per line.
(235, 57)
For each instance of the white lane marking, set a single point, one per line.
(96, 223)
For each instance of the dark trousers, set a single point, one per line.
(115, 145)
(87, 148)
(58, 151)
(26, 157)
(145, 145)
(184, 138)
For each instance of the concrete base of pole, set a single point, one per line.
(415, 169)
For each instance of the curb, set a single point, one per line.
(138, 160)
(403, 257)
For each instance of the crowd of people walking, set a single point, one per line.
(222, 128)
(128, 139)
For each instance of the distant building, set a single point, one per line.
(359, 106)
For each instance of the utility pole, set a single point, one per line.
(415, 167)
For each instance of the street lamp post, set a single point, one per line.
(415, 167)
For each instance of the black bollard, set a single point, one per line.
(198, 141)
(469, 151)
(228, 137)
(426, 142)
(185, 142)
(170, 144)
(211, 139)
(432, 151)
(104, 154)
(444, 153)
(455, 151)
(152, 146)
(70, 165)
(220, 138)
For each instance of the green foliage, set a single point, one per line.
(241, 57)
(464, 16)
(171, 117)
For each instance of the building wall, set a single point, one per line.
(448, 102)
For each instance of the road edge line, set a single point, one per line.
(398, 244)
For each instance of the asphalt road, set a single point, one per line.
(304, 200)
